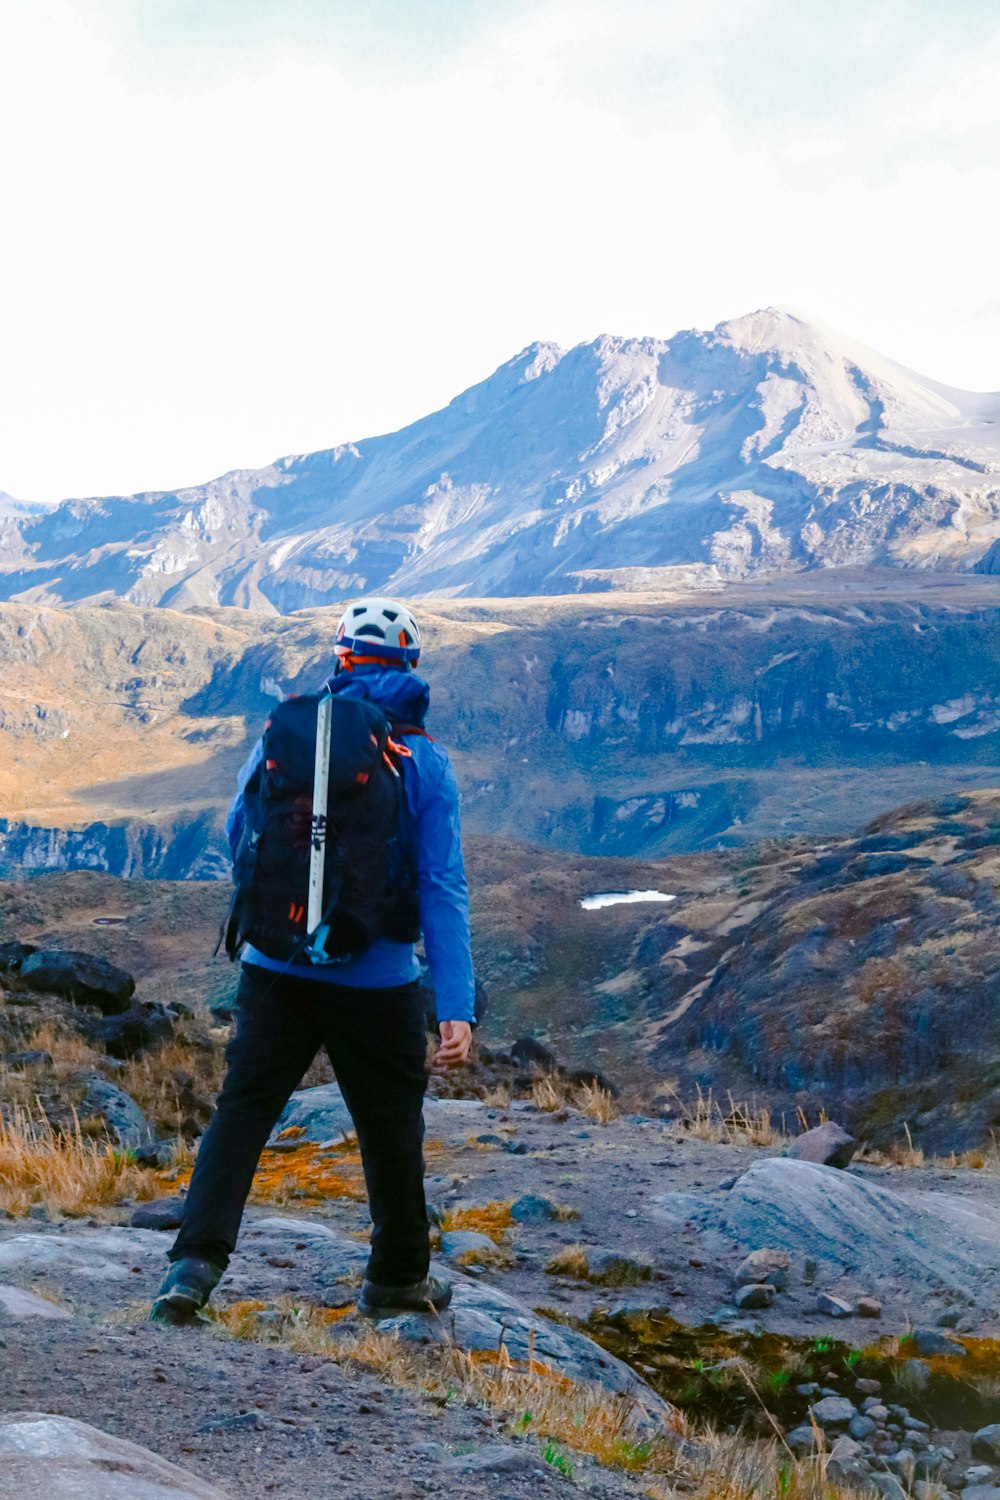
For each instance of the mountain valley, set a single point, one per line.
(639, 725)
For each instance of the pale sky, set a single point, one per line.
(237, 229)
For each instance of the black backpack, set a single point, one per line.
(369, 886)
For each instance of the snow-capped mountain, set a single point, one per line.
(769, 445)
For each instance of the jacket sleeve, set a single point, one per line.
(235, 817)
(444, 894)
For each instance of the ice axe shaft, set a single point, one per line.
(321, 792)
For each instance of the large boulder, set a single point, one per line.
(108, 1254)
(123, 1118)
(80, 977)
(145, 1024)
(12, 956)
(481, 1318)
(829, 1144)
(45, 1457)
(17, 1304)
(908, 1240)
(318, 1114)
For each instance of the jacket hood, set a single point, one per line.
(403, 696)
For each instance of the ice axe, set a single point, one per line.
(317, 929)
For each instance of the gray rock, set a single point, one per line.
(80, 977)
(500, 1458)
(616, 1268)
(981, 1492)
(44, 1457)
(32, 1058)
(755, 1295)
(17, 1304)
(902, 1463)
(986, 1443)
(123, 1118)
(481, 1317)
(846, 1463)
(279, 1236)
(458, 1242)
(833, 1411)
(978, 1474)
(829, 1145)
(888, 1486)
(161, 1213)
(802, 1440)
(531, 1208)
(142, 1026)
(108, 1254)
(320, 1114)
(12, 956)
(929, 1342)
(911, 1237)
(765, 1265)
(861, 1428)
(245, 1421)
(833, 1307)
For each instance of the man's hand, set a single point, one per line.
(456, 1039)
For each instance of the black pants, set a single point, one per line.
(376, 1041)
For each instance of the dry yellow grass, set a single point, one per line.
(70, 1055)
(487, 1218)
(536, 1399)
(541, 1403)
(730, 1468)
(500, 1097)
(731, 1124)
(550, 1092)
(597, 1103)
(164, 1081)
(570, 1261)
(65, 1172)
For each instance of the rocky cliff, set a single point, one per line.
(638, 725)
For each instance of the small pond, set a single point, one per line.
(622, 898)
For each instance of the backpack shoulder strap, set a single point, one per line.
(412, 729)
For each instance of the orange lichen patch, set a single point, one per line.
(238, 1318)
(304, 1172)
(330, 1315)
(292, 1133)
(982, 1360)
(497, 1259)
(488, 1218)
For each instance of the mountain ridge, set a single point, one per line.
(763, 447)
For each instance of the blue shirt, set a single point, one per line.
(432, 827)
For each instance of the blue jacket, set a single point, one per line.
(430, 811)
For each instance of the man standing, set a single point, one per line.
(367, 1011)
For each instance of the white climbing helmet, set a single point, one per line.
(382, 628)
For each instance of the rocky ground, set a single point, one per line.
(656, 1249)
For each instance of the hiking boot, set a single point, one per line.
(427, 1296)
(189, 1284)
